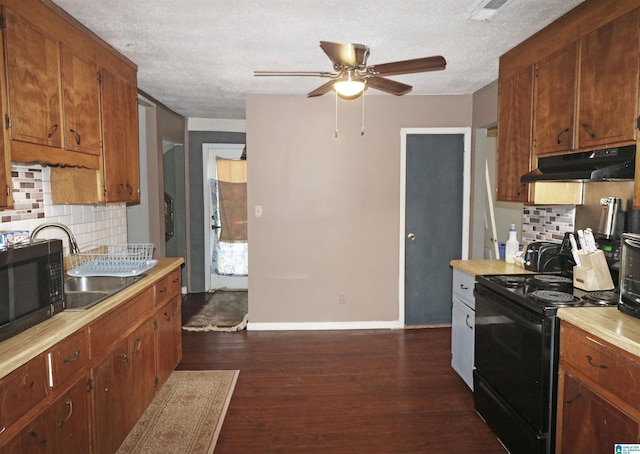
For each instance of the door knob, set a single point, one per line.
(411, 237)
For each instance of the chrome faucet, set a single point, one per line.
(73, 245)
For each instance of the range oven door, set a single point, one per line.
(515, 354)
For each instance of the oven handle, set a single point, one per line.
(632, 244)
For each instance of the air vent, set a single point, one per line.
(487, 10)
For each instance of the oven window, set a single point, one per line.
(513, 355)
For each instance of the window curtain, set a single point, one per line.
(229, 209)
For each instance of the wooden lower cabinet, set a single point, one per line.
(597, 400)
(123, 386)
(62, 427)
(86, 392)
(590, 423)
(169, 346)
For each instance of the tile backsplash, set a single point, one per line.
(90, 224)
(547, 223)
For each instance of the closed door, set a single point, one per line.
(434, 204)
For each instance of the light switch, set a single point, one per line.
(258, 211)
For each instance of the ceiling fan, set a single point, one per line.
(352, 74)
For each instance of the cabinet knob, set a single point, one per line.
(411, 237)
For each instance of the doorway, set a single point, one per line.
(175, 214)
(210, 152)
(434, 220)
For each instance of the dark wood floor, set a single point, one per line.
(366, 391)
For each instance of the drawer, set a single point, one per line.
(22, 390)
(105, 331)
(175, 283)
(68, 356)
(604, 364)
(463, 284)
(162, 291)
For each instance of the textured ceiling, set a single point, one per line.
(198, 56)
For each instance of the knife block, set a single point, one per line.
(593, 273)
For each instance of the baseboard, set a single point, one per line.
(321, 326)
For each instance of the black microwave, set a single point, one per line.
(31, 285)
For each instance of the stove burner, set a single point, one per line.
(604, 297)
(555, 298)
(509, 281)
(552, 279)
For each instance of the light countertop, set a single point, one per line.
(479, 267)
(19, 349)
(607, 323)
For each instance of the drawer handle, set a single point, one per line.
(70, 405)
(464, 287)
(467, 322)
(3, 429)
(76, 357)
(167, 317)
(601, 366)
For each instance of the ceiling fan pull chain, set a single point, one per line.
(362, 130)
(336, 132)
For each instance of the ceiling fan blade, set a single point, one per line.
(322, 89)
(388, 85)
(295, 73)
(345, 54)
(416, 65)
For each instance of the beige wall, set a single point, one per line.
(330, 221)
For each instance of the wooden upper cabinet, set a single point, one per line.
(81, 94)
(120, 123)
(609, 74)
(555, 101)
(33, 69)
(515, 98)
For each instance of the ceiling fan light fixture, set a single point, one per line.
(350, 86)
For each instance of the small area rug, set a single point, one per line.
(225, 310)
(186, 415)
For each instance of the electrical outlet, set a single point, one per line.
(342, 298)
(258, 210)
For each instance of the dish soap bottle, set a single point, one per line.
(512, 246)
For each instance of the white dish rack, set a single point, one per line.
(121, 260)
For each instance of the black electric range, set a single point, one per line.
(516, 354)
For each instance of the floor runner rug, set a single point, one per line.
(225, 310)
(186, 415)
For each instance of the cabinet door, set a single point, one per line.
(608, 94)
(169, 338)
(35, 438)
(554, 101)
(515, 98)
(81, 94)
(70, 419)
(120, 126)
(462, 341)
(111, 394)
(33, 69)
(143, 371)
(589, 423)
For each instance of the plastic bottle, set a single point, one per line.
(512, 246)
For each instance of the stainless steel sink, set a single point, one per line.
(81, 293)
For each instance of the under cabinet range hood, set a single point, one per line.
(599, 165)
